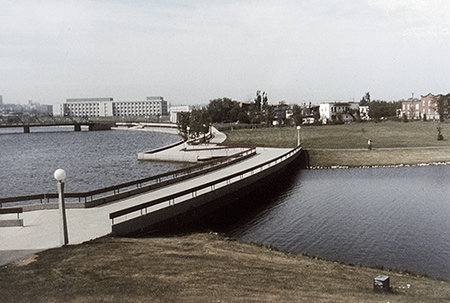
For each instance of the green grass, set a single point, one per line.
(354, 136)
(199, 268)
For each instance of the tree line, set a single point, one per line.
(225, 110)
(379, 108)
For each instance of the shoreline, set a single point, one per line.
(377, 158)
(379, 166)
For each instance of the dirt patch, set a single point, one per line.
(25, 261)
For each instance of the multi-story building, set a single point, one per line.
(411, 108)
(107, 107)
(426, 106)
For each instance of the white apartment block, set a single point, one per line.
(107, 107)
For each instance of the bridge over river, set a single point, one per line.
(185, 198)
(50, 121)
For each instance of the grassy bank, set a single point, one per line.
(385, 135)
(198, 268)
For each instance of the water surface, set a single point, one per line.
(395, 217)
(91, 160)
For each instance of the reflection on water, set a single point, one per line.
(395, 217)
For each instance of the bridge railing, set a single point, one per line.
(123, 190)
(142, 209)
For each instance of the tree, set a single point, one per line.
(365, 100)
(379, 109)
(197, 120)
(297, 114)
(261, 100)
(183, 123)
(405, 118)
(243, 117)
(440, 137)
(223, 110)
(258, 101)
(442, 104)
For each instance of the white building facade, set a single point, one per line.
(330, 111)
(107, 107)
(175, 110)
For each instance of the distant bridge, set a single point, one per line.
(34, 121)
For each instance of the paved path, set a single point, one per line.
(41, 228)
(192, 153)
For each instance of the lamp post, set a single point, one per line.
(204, 132)
(60, 175)
(298, 135)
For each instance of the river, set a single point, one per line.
(92, 160)
(394, 217)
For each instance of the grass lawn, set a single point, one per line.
(199, 268)
(355, 136)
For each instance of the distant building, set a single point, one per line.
(427, 105)
(1, 101)
(175, 110)
(107, 107)
(333, 111)
(411, 108)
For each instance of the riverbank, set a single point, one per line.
(332, 158)
(199, 268)
(394, 143)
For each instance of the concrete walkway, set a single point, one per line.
(41, 228)
(193, 153)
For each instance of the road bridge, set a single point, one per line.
(50, 121)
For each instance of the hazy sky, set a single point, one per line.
(193, 51)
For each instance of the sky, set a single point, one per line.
(191, 52)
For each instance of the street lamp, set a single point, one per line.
(298, 135)
(60, 175)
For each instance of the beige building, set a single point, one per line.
(107, 107)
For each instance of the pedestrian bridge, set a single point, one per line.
(146, 207)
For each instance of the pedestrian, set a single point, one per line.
(369, 144)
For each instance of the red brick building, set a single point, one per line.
(426, 106)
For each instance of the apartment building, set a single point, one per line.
(107, 107)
